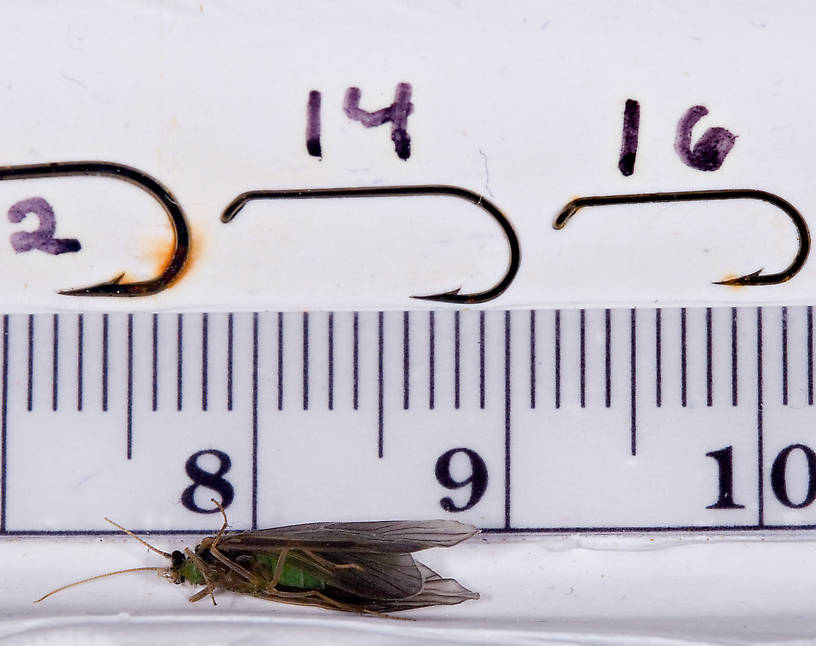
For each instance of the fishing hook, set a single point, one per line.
(452, 296)
(181, 235)
(754, 278)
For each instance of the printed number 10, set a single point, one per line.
(779, 482)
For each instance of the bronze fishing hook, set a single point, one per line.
(144, 181)
(452, 296)
(754, 278)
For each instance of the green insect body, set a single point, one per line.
(365, 567)
(262, 565)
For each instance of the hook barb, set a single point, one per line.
(181, 234)
(451, 296)
(751, 279)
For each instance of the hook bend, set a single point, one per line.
(144, 181)
(753, 278)
(452, 296)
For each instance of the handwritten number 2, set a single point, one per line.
(43, 237)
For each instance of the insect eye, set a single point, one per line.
(176, 559)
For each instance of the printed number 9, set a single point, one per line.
(477, 478)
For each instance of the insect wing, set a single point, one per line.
(366, 576)
(400, 536)
(435, 591)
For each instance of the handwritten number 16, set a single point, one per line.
(707, 154)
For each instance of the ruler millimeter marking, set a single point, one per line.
(548, 420)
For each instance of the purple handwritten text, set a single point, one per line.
(43, 237)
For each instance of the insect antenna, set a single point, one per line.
(142, 541)
(98, 576)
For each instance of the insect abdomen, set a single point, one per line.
(291, 575)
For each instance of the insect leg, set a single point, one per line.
(213, 547)
(303, 597)
(223, 527)
(202, 567)
(278, 568)
(233, 566)
(329, 564)
(315, 598)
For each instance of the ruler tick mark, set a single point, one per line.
(734, 358)
(608, 356)
(30, 362)
(557, 354)
(280, 360)
(683, 358)
(4, 427)
(155, 362)
(179, 360)
(633, 379)
(255, 336)
(507, 403)
(431, 360)
(784, 331)
(130, 386)
(305, 360)
(481, 358)
(532, 359)
(55, 364)
(330, 366)
(582, 357)
(760, 456)
(104, 362)
(380, 382)
(658, 358)
(355, 361)
(810, 354)
(80, 359)
(406, 360)
(456, 360)
(204, 360)
(709, 360)
(230, 357)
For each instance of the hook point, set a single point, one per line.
(741, 281)
(451, 296)
(100, 289)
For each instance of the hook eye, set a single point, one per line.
(181, 235)
(452, 296)
(753, 278)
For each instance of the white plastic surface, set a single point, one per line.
(522, 102)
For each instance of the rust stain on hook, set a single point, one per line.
(181, 236)
(452, 296)
(753, 278)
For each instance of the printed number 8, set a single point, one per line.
(208, 479)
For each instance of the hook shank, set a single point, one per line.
(753, 278)
(452, 296)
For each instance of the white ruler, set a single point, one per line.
(518, 421)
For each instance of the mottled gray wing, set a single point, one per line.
(373, 537)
